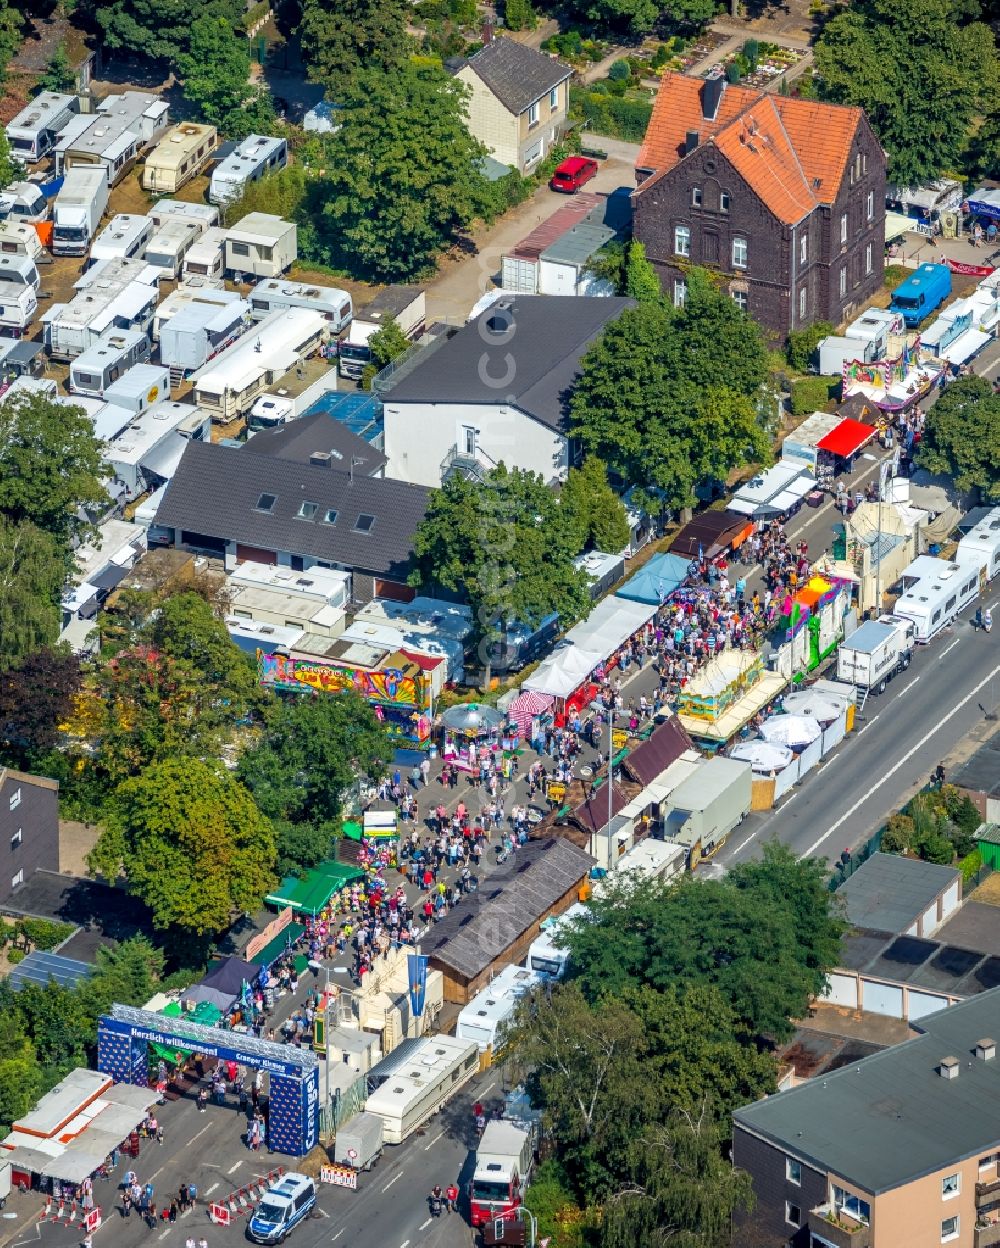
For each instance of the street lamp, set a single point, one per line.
(533, 1223)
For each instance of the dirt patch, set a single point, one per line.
(988, 892)
(76, 840)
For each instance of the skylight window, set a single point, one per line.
(266, 502)
(364, 524)
(330, 517)
(307, 510)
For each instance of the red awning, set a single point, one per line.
(848, 437)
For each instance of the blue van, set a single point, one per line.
(282, 1208)
(923, 291)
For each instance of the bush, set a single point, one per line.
(610, 116)
(44, 934)
(620, 71)
(894, 274)
(812, 394)
(970, 865)
(733, 74)
(660, 56)
(15, 955)
(960, 810)
(518, 15)
(555, 1207)
(751, 51)
(802, 344)
(898, 834)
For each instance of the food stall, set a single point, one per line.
(710, 533)
(468, 728)
(725, 695)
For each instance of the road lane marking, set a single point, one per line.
(428, 1147)
(740, 848)
(233, 1169)
(405, 1244)
(334, 1238)
(394, 1179)
(424, 1225)
(902, 762)
(905, 691)
(164, 1234)
(949, 649)
(868, 725)
(322, 1212)
(211, 1189)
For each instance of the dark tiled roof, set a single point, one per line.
(540, 341)
(666, 744)
(889, 893)
(216, 490)
(485, 925)
(516, 74)
(318, 433)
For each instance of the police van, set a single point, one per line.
(281, 1209)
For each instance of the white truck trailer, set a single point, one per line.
(875, 652)
(78, 209)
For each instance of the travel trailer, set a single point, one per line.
(205, 257)
(274, 293)
(123, 238)
(937, 590)
(123, 127)
(254, 157)
(179, 156)
(92, 372)
(260, 245)
(32, 133)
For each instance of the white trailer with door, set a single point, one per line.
(273, 293)
(92, 372)
(488, 1015)
(18, 305)
(418, 1079)
(33, 132)
(206, 258)
(983, 543)
(875, 652)
(123, 238)
(707, 805)
(257, 155)
(937, 591)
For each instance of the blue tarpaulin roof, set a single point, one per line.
(657, 580)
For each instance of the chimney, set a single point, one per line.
(321, 459)
(986, 1050)
(488, 29)
(711, 94)
(949, 1068)
(690, 141)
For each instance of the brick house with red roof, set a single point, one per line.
(785, 197)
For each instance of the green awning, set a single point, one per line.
(278, 946)
(352, 831)
(173, 1010)
(310, 894)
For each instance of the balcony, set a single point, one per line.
(987, 1236)
(471, 465)
(843, 1232)
(988, 1191)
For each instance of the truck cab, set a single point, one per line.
(503, 1166)
(282, 1208)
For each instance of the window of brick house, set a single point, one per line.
(682, 240)
(739, 253)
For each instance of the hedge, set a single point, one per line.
(611, 115)
(812, 394)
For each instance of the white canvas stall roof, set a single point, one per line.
(130, 303)
(563, 671)
(164, 458)
(29, 1159)
(965, 346)
(766, 756)
(767, 485)
(791, 729)
(611, 623)
(814, 705)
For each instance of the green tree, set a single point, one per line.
(402, 176)
(802, 344)
(683, 1190)
(311, 751)
(342, 41)
(127, 973)
(20, 1073)
(11, 23)
(155, 29)
(631, 17)
(58, 75)
(505, 546)
(216, 74)
(671, 397)
(874, 53)
(301, 846)
(10, 169)
(191, 843)
(388, 343)
(32, 574)
(519, 15)
(52, 465)
(36, 696)
(595, 512)
(962, 436)
(641, 282)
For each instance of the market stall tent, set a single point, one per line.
(710, 533)
(655, 582)
(610, 624)
(563, 671)
(310, 893)
(847, 439)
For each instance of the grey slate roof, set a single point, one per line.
(516, 74)
(889, 893)
(537, 341)
(486, 924)
(301, 438)
(216, 489)
(891, 1118)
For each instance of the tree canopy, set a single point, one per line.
(216, 73)
(401, 179)
(506, 546)
(155, 29)
(36, 696)
(671, 397)
(641, 282)
(342, 40)
(922, 74)
(32, 575)
(191, 843)
(962, 436)
(595, 512)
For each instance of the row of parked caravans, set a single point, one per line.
(936, 591)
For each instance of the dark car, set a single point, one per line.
(572, 174)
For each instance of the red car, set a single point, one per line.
(572, 174)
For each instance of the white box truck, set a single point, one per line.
(708, 804)
(875, 652)
(405, 305)
(78, 210)
(358, 1142)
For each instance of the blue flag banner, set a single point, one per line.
(417, 967)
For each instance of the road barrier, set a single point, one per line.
(71, 1213)
(244, 1198)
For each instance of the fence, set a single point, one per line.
(845, 868)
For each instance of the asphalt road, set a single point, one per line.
(898, 740)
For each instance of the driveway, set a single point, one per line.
(463, 280)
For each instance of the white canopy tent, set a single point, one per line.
(610, 624)
(563, 671)
(791, 730)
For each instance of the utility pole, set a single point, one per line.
(611, 781)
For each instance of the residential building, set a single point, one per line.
(496, 391)
(519, 99)
(889, 893)
(244, 506)
(29, 828)
(900, 1148)
(784, 197)
(320, 441)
